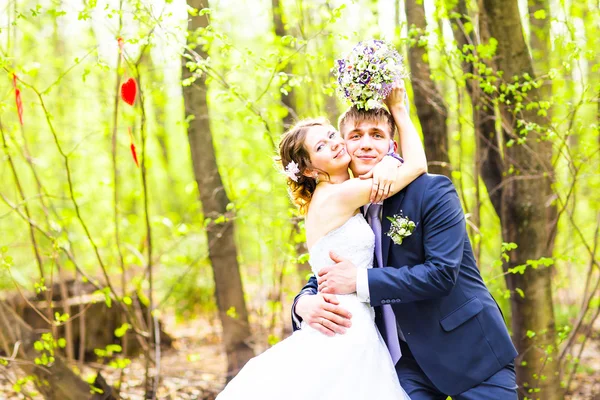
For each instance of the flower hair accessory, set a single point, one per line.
(365, 75)
(292, 171)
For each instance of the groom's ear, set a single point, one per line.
(394, 146)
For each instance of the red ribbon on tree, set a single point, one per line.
(18, 99)
(128, 95)
(129, 87)
(129, 91)
(133, 150)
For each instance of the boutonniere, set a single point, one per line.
(402, 227)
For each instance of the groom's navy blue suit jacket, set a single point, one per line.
(451, 323)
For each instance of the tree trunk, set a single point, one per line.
(289, 102)
(428, 100)
(489, 139)
(539, 20)
(488, 159)
(222, 249)
(541, 48)
(55, 382)
(287, 98)
(327, 45)
(527, 215)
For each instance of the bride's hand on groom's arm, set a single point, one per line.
(322, 312)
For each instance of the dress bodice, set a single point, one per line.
(354, 240)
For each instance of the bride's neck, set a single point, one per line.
(339, 177)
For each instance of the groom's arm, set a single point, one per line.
(443, 228)
(320, 311)
(308, 289)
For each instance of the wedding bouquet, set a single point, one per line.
(366, 74)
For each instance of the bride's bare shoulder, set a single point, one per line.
(324, 213)
(322, 203)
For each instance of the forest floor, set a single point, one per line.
(194, 367)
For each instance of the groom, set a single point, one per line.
(428, 295)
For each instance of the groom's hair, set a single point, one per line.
(355, 116)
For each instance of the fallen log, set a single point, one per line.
(55, 380)
(95, 325)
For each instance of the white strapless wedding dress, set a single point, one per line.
(311, 365)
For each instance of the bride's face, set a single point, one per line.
(327, 149)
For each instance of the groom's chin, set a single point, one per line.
(359, 168)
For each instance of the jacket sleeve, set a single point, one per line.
(310, 288)
(443, 229)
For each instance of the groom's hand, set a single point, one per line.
(339, 278)
(323, 313)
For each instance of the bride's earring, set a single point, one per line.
(316, 176)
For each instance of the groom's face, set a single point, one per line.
(367, 143)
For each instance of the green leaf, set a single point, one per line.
(113, 348)
(303, 258)
(60, 318)
(273, 340)
(232, 313)
(221, 219)
(107, 299)
(519, 269)
(122, 330)
(94, 389)
(540, 14)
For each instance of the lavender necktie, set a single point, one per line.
(389, 318)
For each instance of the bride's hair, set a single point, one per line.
(292, 149)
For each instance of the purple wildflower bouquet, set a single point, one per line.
(366, 74)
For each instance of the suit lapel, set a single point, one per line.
(390, 207)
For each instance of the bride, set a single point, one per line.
(310, 364)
